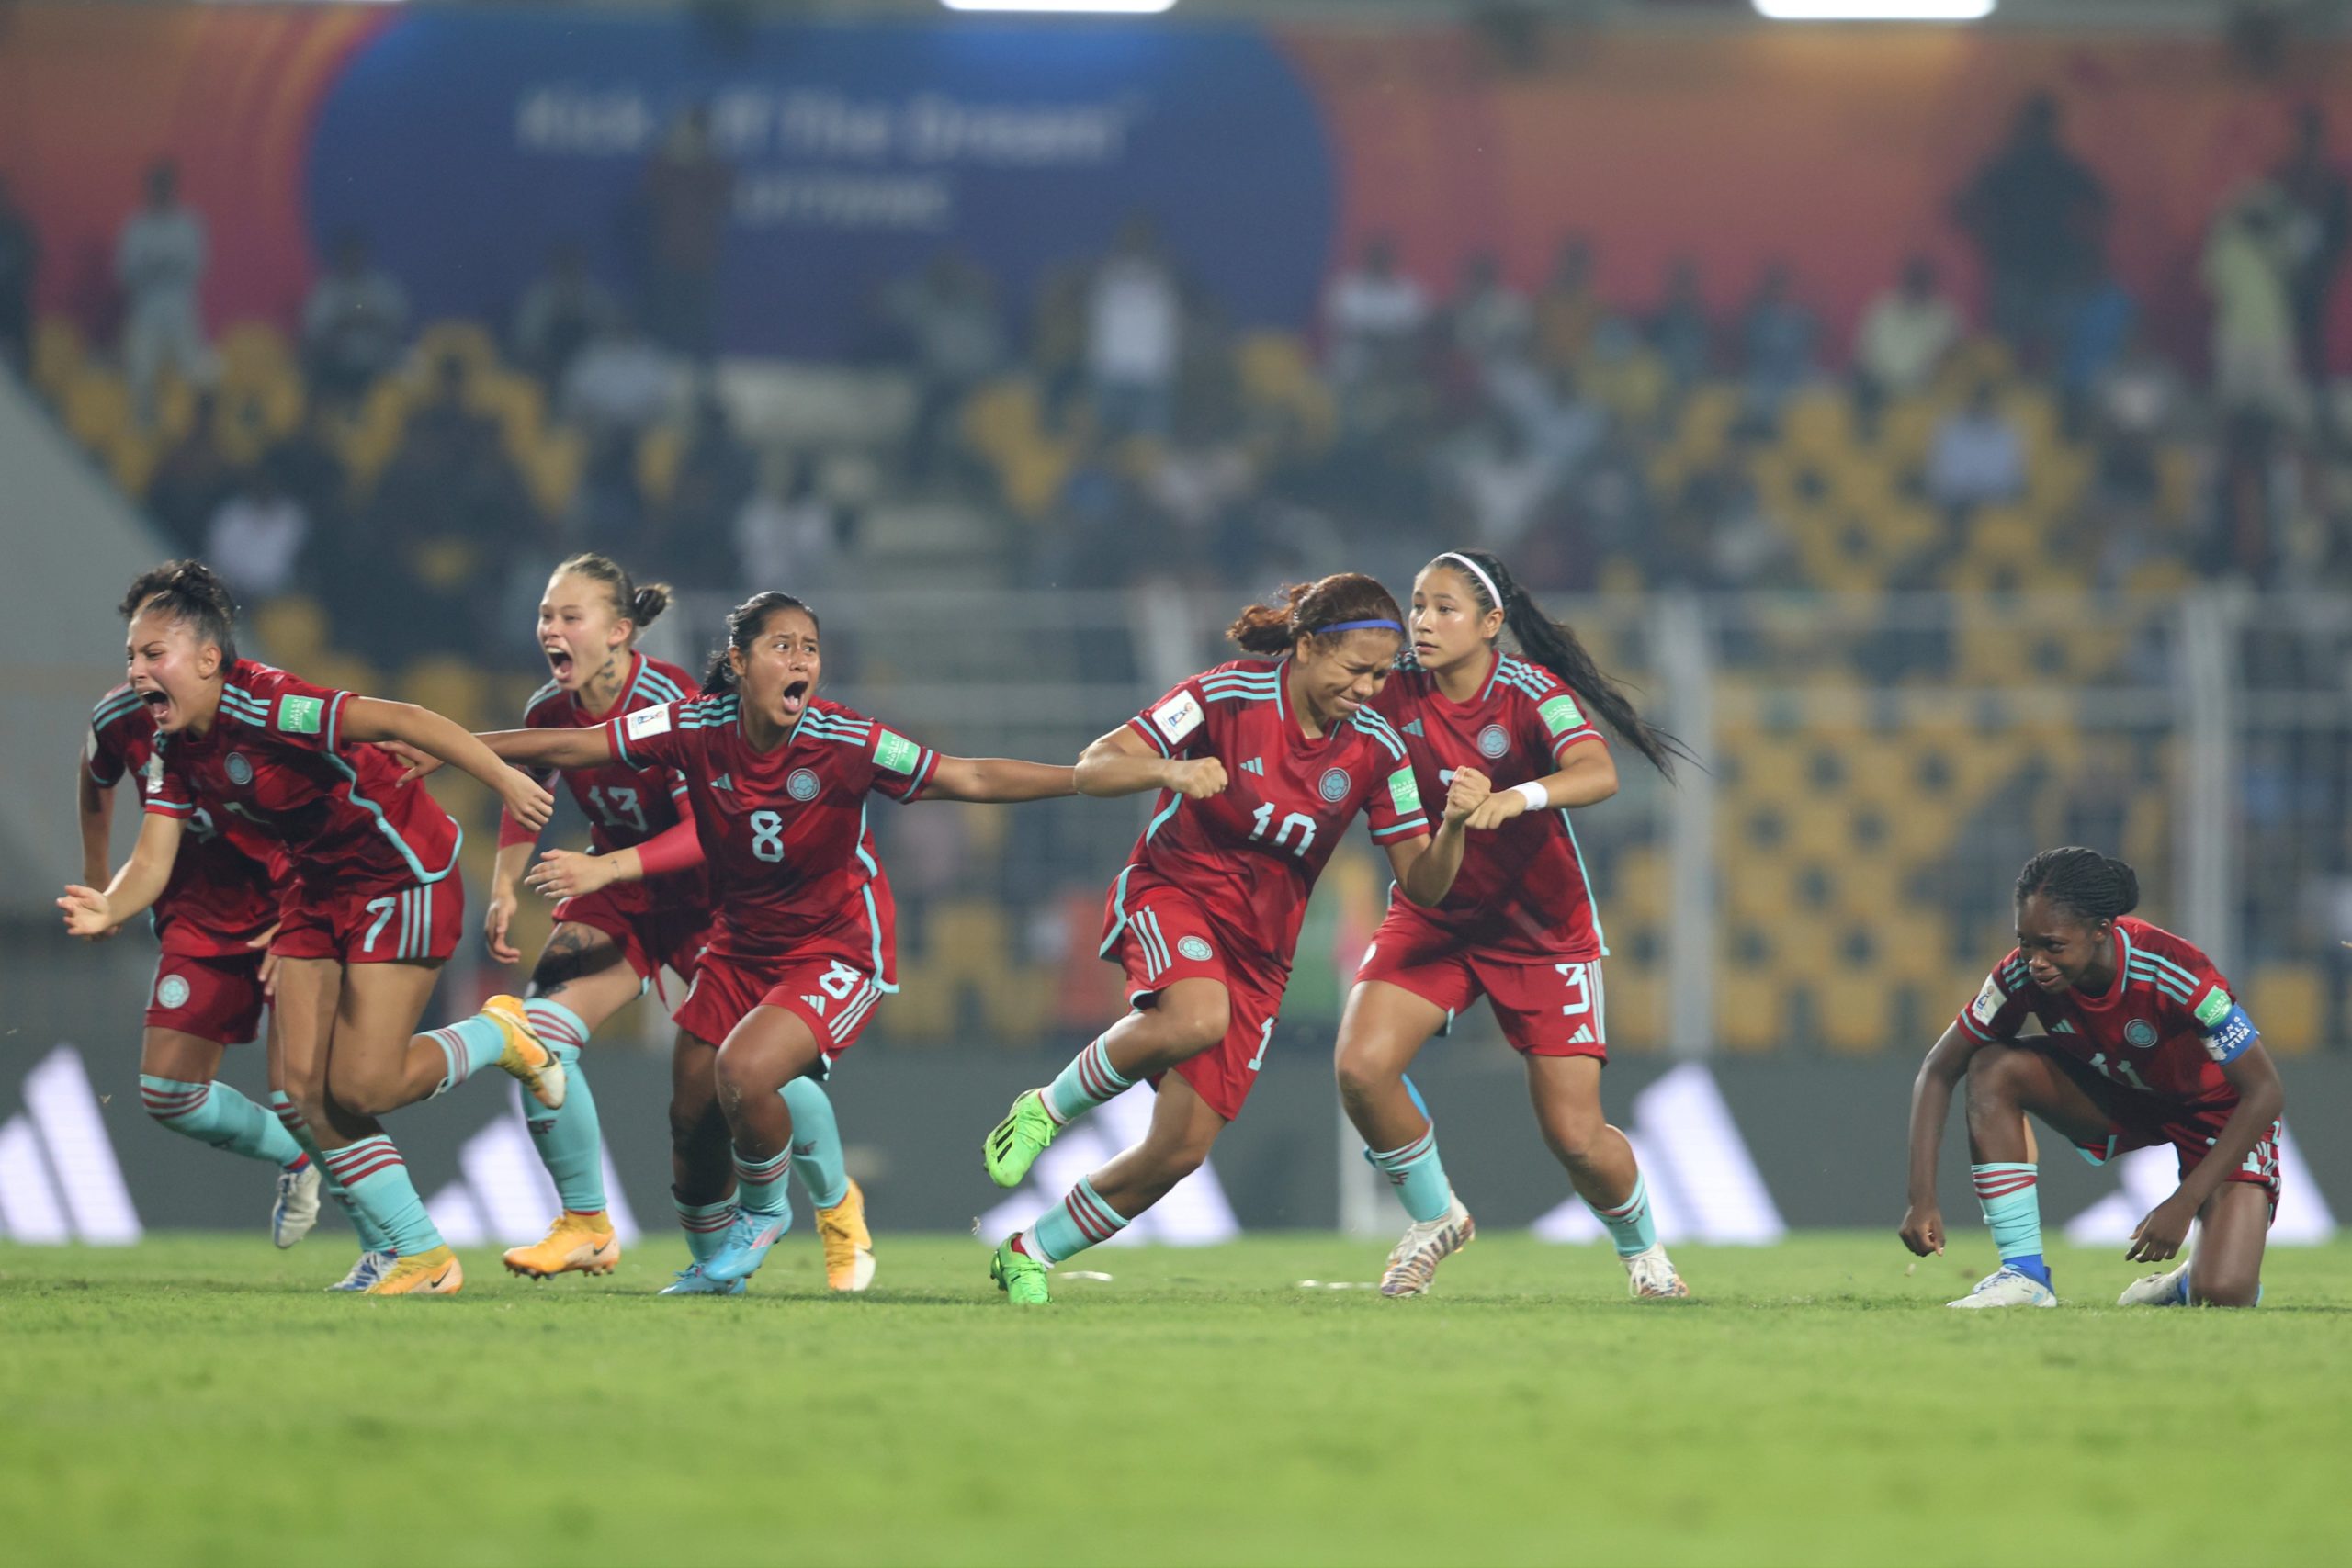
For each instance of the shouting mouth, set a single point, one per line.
(561, 661)
(795, 698)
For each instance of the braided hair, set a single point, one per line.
(2095, 887)
(1555, 646)
(743, 624)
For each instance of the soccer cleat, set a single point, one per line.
(848, 1246)
(1426, 1244)
(1021, 1277)
(1019, 1139)
(748, 1240)
(692, 1282)
(297, 1208)
(434, 1272)
(1650, 1276)
(525, 1058)
(2167, 1289)
(372, 1267)
(2005, 1287)
(581, 1244)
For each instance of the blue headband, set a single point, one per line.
(1356, 626)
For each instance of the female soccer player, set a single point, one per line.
(1261, 763)
(1519, 928)
(804, 944)
(214, 920)
(373, 906)
(2142, 1044)
(608, 946)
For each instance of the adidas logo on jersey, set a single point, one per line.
(58, 1179)
(723, 781)
(1583, 1037)
(502, 1196)
(1254, 765)
(1414, 728)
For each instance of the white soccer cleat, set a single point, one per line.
(2163, 1290)
(1426, 1244)
(372, 1267)
(295, 1209)
(2005, 1287)
(1650, 1276)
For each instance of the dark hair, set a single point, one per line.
(743, 624)
(1553, 646)
(2095, 887)
(643, 605)
(1306, 608)
(187, 591)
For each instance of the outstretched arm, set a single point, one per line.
(372, 718)
(1122, 764)
(90, 914)
(997, 780)
(1947, 1063)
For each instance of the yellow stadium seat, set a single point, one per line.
(252, 355)
(57, 355)
(467, 342)
(658, 452)
(293, 627)
(97, 407)
(450, 687)
(1751, 1009)
(2288, 1003)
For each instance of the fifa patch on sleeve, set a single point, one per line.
(1176, 717)
(895, 753)
(301, 715)
(1987, 1003)
(2216, 1007)
(647, 722)
(2226, 1039)
(154, 769)
(1405, 793)
(1562, 714)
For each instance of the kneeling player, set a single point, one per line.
(2142, 1045)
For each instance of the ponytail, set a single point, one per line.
(743, 624)
(1331, 604)
(2095, 887)
(640, 606)
(188, 590)
(1555, 646)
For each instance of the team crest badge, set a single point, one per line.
(1196, 949)
(1335, 786)
(240, 772)
(172, 992)
(802, 785)
(1492, 741)
(2139, 1032)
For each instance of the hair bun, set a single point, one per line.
(2127, 881)
(652, 597)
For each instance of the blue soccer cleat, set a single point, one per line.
(748, 1240)
(692, 1282)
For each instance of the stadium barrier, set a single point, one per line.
(1735, 1150)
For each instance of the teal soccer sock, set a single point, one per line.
(571, 1140)
(1631, 1228)
(1418, 1177)
(372, 1171)
(216, 1114)
(816, 1143)
(1087, 1082)
(468, 1046)
(1081, 1220)
(370, 1238)
(705, 1225)
(759, 1184)
(2011, 1196)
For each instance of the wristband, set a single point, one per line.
(1537, 798)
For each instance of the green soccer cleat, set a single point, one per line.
(1021, 1277)
(1019, 1139)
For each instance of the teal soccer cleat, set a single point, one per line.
(748, 1240)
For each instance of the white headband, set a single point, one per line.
(1494, 595)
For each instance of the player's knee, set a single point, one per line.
(365, 1094)
(1361, 1076)
(1576, 1139)
(2227, 1290)
(1995, 1080)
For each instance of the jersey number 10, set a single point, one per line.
(1304, 824)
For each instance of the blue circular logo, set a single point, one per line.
(1335, 785)
(172, 992)
(2139, 1032)
(802, 785)
(240, 772)
(1492, 741)
(1196, 949)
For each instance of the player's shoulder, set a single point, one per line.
(1381, 735)
(2158, 960)
(836, 722)
(1516, 678)
(550, 707)
(2010, 974)
(120, 709)
(1251, 680)
(253, 690)
(706, 710)
(658, 681)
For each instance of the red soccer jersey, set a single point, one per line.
(2164, 1026)
(218, 897)
(1522, 891)
(791, 860)
(1249, 856)
(275, 760)
(625, 805)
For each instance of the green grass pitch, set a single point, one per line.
(198, 1400)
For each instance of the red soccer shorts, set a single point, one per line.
(1546, 1007)
(218, 999)
(1167, 939)
(2143, 1122)
(832, 998)
(649, 934)
(415, 923)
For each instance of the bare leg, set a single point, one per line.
(700, 1171)
(583, 969)
(767, 1050)
(1600, 1162)
(1382, 1030)
(2235, 1224)
(1182, 1131)
(372, 1067)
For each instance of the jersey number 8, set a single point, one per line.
(768, 836)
